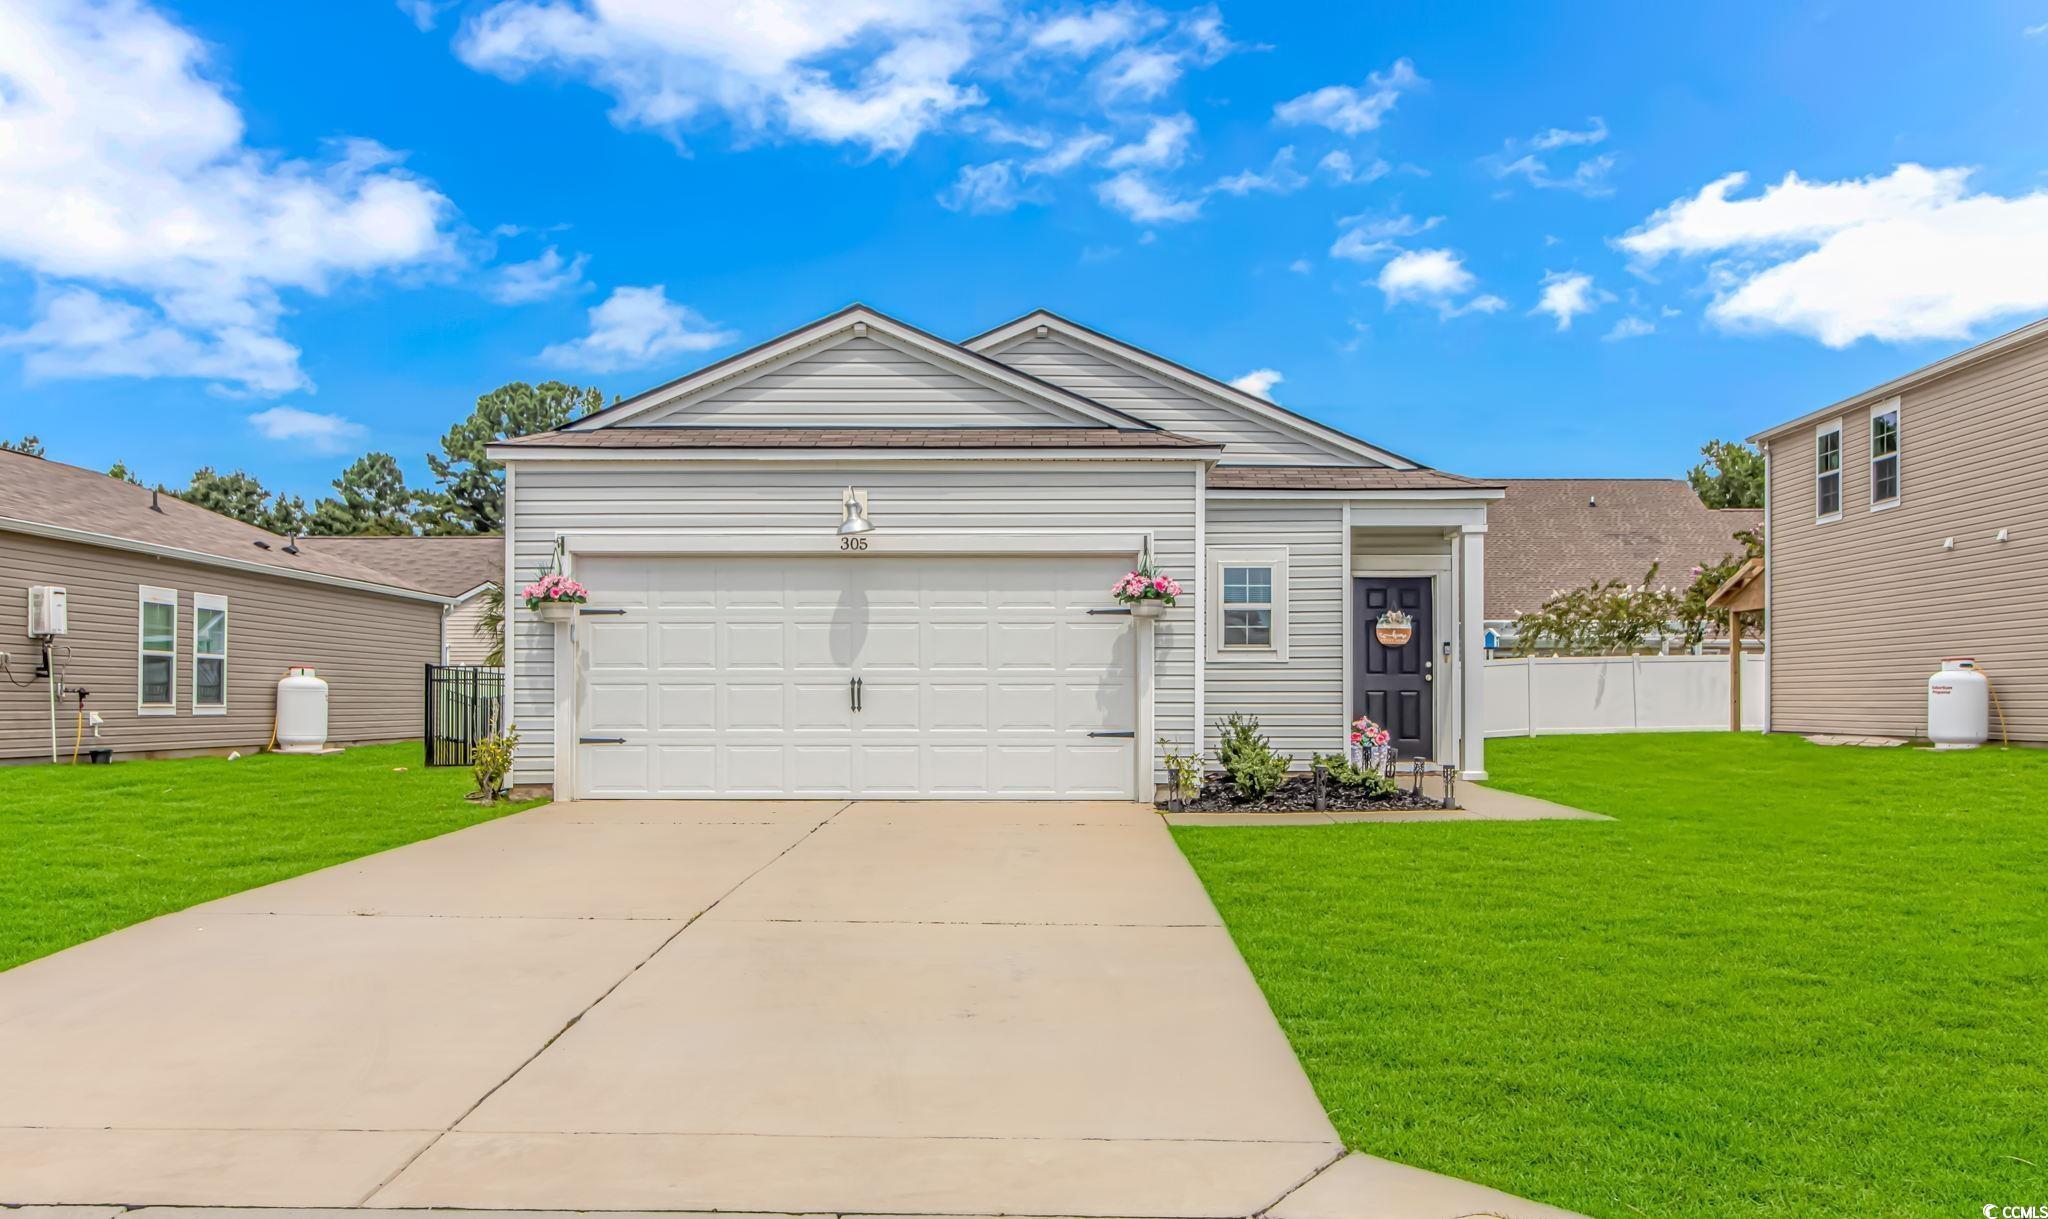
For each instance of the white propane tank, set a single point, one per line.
(301, 711)
(1958, 705)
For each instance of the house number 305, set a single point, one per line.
(853, 543)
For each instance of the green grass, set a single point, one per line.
(88, 849)
(1787, 981)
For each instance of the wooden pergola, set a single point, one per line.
(1740, 594)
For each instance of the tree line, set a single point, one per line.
(370, 496)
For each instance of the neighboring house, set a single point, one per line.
(182, 620)
(463, 567)
(1554, 534)
(740, 641)
(1910, 523)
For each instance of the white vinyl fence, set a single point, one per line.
(1539, 696)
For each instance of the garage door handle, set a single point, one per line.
(1120, 610)
(592, 613)
(600, 740)
(1126, 733)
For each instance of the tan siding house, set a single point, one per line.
(1907, 524)
(231, 608)
(460, 568)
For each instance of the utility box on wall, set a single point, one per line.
(47, 613)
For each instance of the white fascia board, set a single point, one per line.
(534, 454)
(107, 541)
(1431, 494)
(857, 320)
(1216, 391)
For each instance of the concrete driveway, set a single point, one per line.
(897, 1008)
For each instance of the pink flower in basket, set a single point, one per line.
(554, 587)
(1143, 586)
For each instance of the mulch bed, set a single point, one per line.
(1298, 795)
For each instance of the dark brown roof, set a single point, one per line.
(51, 493)
(1552, 534)
(447, 566)
(627, 437)
(1340, 478)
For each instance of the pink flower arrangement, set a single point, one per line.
(1145, 586)
(554, 587)
(1370, 745)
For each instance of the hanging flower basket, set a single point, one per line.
(554, 597)
(1148, 593)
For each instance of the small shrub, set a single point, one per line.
(491, 761)
(1248, 757)
(1364, 780)
(1183, 771)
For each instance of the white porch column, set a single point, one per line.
(1472, 651)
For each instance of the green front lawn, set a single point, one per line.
(87, 849)
(1788, 980)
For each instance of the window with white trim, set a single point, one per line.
(1884, 455)
(209, 654)
(157, 643)
(1248, 604)
(1827, 472)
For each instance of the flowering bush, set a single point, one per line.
(1145, 586)
(554, 587)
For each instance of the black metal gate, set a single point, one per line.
(463, 706)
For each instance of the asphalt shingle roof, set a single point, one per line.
(861, 438)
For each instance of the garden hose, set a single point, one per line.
(1991, 687)
(79, 739)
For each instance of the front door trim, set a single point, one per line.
(1421, 591)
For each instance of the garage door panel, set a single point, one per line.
(685, 707)
(730, 677)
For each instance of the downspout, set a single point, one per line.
(1770, 653)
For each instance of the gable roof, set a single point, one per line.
(1344, 478)
(859, 321)
(1183, 377)
(1989, 349)
(857, 438)
(1551, 534)
(450, 566)
(51, 499)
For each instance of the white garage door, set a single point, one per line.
(856, 676)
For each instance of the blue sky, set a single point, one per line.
(275, 236)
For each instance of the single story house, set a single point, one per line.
(1909, 523)
(863, 560)
(1553, 534)
(462, 566)
(180, 622)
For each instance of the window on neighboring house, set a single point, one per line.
(1827, 465)
(1884, 456)
(158, 642)
(209, 654)
(1248, 609)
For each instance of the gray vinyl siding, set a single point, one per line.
(1299, 703)
(861, 383)
(371, 649)
(554, 498)
(1163, 404)
(460, 644)
(1864, 608)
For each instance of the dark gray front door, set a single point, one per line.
(1394, 682)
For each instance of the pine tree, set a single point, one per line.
(471, 494)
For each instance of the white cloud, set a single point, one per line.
(1371, 238)
(1909, 255)
(1164, 145)
(309, 430)
(636, 326)
(1567, 294)
(1629, 328)
(1529, 159)
(1339, 166)
(425, 14)
(519, 283)
(1089, 31)
(1278, 178)
(1436, 278)
(1139, 198)
(1259, 382)
(987, 189)
(1301, 266)
(165, 242)
(1068, 153)
(1347, 108)
(2036, 31)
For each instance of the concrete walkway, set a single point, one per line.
(893, 1008)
